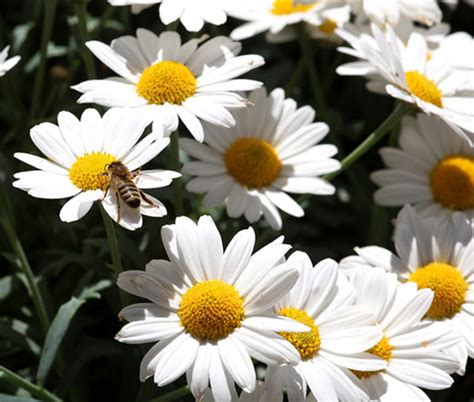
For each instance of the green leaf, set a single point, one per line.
(15, 331)
(9, 398)
(60, 325)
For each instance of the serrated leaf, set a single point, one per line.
(60, 325)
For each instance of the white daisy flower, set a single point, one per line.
(390, 11)
(437, 254)
(330, 19)
(192, 14)
(414, 350)
(210, 309)
(340, 334)
(272, 16)
(258, 395)
(81, 157)
(163, 79)
(433, 170)
(270, 151)
(7, 64)
(409, 73)
(459, 49)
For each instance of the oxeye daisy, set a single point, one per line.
(341, 332)
(272, 16)
(271, 151)
(435, 254)
(163, 79)
(433, 170)
(7, 64)
(210, 309)
(80, 156)
(409, 73)
(192, 14)
(390, 11)
(415, 350)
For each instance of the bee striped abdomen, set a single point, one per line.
(130, 194)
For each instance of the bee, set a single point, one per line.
(120, 181)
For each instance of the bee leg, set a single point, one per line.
(105, 193)
(118, 206)
(135, 173)
(147, 200)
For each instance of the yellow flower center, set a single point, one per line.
(424, 88)
(87, 172)
(448, 285)
(307, 343)
(167, 82)
(328, 27)
(284, 7)
(383, 349)
(252, 162)
(452, 182)
(211, 310)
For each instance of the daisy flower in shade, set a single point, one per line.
(270, 151)
(414, 349)
(433, 170)
(192, 14)
(79, 154)
(409, 74)
(340, 334)
(163, 79)
(210, 309)
(436, 254)
(390, 11)
(272, 16)
(7, 64)
(330, 19)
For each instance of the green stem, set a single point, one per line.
(114, 250)
(81, 12)
(33, 389)
(48, 22)
(307, 58)
(177, 183)
(393, 119)
(296, 76)
(23, 263)
(173, 395)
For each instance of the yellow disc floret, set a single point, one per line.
(452, 182)
(424, 88)
(211, 310)
(87, 172)
(284, 7)
(307, 343)
(252, 162)
(383, 349)
(328, 27)
(167, 82)
(448, 285)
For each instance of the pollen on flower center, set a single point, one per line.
(211, 310)
(87, 172)
(448, 285)
(307, 343)
(383, 349)
(167, 82)
(452, 182)
(424, 88)
(328, 27)
(252, 162)
(284, 7)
